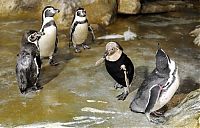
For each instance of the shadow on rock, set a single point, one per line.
(48, 72)
(141, 73)
(188, 85)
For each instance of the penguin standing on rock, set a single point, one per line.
(28, 62)
(79, 30)
(48, 42)
(157, 89)
(119, 66)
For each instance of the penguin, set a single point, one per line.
(157, 89)
(28, 62)
(48, 42)
(119, 66)
(79, 30)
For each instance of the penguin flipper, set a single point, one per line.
(56, 45)
(145, 100)
(142, 98)
(140, 101)
(153, 97)
(39, 62)
(92, 32)
(72, 29)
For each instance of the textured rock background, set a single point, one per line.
(98, 11)
(187, 113)
(129, 6)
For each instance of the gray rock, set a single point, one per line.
(187, 113)
(129, 6)
(98, 11)
(164, 6)
(196, 33)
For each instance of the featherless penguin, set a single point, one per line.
(157, 89)
(28, 62)
(48, 42)
(79, 30)
(119, 66)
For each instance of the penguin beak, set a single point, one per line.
(105, 54)
(162, 60)
(84, 13)
(57, 10)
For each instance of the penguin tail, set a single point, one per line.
(133, 110)
(134, 107)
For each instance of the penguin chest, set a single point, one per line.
(167, 92)
(80, 33)
(114, 69)
(47, 41)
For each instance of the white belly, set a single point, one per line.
(80, 34)
(47, 42)
(37, 68)
(167, 95)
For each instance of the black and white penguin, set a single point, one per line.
(79, 30)
(48, 42)
(28, 62)
(157, 89)
(119, 66)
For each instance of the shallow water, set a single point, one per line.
(77, 94)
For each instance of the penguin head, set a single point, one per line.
(33, 36)
(162, 60)
(26, 36)
(111, 48)
(49, 11)
(81, 12)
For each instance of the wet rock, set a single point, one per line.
(196, 33)
(187, 113)
(164, 6)
(16, 7)
(98, 11)
(129, 6)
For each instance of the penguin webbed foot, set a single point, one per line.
(158, 120)
(36, 88)
(77, 50)
(116, 86)
(52, 62)
(157, 113)
(85, 46)
(122, 96)
(155, 119)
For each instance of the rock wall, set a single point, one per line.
(187, 113)
(129, 6)
(98, 11)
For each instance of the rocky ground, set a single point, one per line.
(184, 108)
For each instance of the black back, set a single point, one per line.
(149, 90)
(26, 69)
(114, 69)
